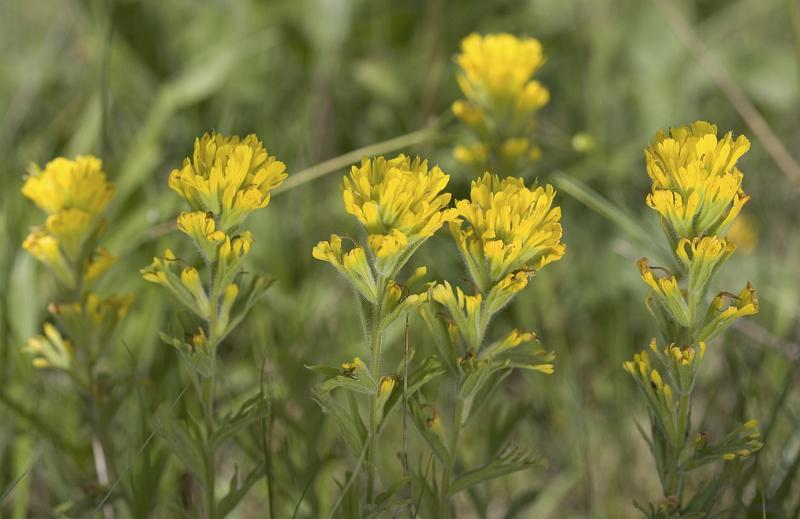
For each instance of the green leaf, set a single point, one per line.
(384, 497)
(422, 416)
(350, 424)
(512, 459)
(252, 410)
(184, 440)
(427, 370)
(236, 492)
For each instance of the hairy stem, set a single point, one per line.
(444, 497)
(376, 335)
(209, 389)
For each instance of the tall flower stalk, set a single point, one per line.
(74, 195)
(225, 180)
(505, 232)
(697, 193)
(399, 204)
(501, 101)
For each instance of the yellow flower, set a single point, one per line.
(190, 278)
(165, 271)
(69, 184)
(201, 228)
(228, 176)
(92, 321)
(351, 264)
(385, 389)
(726, 308)
(45, 248)
(473, 154)
(514, 148)
(50, 350)
(510, 341)
(497, 68)
(399, 203)
(228, 299)
(95, 266)
(507, 227)
(231, 255)
(666, 291)
(469, 113)
(72, 227)
(696, 184)
(464, 309)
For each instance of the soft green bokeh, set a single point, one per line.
(135, 81)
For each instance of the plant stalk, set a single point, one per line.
(444, 497)
(376, 336)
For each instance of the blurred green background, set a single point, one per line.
(135, 81)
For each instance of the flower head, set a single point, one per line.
(201, 228)
(351, 264)
(74, 194)
(69, 184)
(91, 322)
(506, 227)
(228, 176)
(50, 350)
(499, 67)
(45, 247)
(697, 188)
(495, 75)
(399, 202)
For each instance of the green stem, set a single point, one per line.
(444, 497)
(209, 389)
(376, 335)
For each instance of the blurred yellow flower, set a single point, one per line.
(91, 322)
(50, 350)
(228, 176)
(495, 75)
(696, 184)
(69, 184)
(45, 248)
(499, 67)
(505, 227)
(399, 202)
(74, 194)
(97, 265)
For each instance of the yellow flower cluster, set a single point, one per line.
(697, 191)
(697, 188)
(495, 75)
(223, 182)
(497, 68)
(228, 176)
(400, 204)
(506, 227)
(73, 194)
(504, 231)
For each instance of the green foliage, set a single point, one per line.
(136, 81)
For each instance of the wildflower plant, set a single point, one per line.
(506, 232)
(225, 180)
(696, 190)
(501, 101)
(74, 194)
(400, 204)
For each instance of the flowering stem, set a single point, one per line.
(376, 333)
(444, 498)
(209, 386)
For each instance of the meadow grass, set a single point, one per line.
(323, 84)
